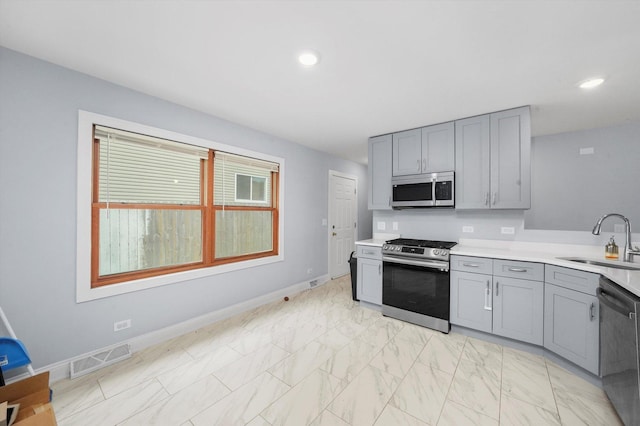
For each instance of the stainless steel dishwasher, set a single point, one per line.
(619, 356)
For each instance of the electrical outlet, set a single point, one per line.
(121, 325)
(382, 226)
(508, 230)
(587, 151)
(394, 225)
(467, 229)
(309, 271)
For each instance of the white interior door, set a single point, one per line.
(342, 222)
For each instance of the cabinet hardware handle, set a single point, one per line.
(495, 194)
(486, 199)
(368, 252)
(497, 286)
(389, 200)
(518, 269)
(418, 164)
(471, 265)
(591, 313)
(380, 269)
(487, 296)
(424, 164)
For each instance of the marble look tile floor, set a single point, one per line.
(321, 359)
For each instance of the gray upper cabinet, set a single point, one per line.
(493, 161)
(380, 172)
(407, 152)
(472, 163)
(438, 148)
(427, 150)
(511, 159)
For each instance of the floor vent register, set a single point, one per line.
(99, 360)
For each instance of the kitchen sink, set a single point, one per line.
(605, 263)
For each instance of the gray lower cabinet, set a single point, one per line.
(518, 309)
(571, 323)
(498, 303)
(380, 172)
(369, 281)
(471, 300)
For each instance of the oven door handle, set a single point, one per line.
(444, 267)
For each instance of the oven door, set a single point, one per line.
(417, 286)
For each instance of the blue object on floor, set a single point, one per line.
(13, 354)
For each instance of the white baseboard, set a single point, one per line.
(61, 370)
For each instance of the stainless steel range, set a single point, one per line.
(415, 282)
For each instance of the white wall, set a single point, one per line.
(39, 105)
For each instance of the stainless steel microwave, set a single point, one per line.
(426, 190)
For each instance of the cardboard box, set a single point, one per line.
(33, 396)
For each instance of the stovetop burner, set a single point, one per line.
(422, 243)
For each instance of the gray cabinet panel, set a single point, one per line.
(511, 159)
(369, 281)
(380, 173)
(438, 148)
(516, 269)
(571, 326)
(585, 282)
(472, 150)
(471, 303)
(493, 161)
(477, 265)
(407, 152)
(518, 309)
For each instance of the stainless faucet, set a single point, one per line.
(629, 250)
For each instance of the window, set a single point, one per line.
(251, 188)
(160, 206)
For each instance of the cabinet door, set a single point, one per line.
(438, 148)
(518, 309)
(571, 326)
(369, 281)
(380, 173)
(510, 159)
(472, 163)
(471, 300)
(407, 152)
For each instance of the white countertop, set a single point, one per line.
(538, 252)
(550, 254)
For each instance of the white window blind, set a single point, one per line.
(137, 168)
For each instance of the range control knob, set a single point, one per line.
(436, 252)
(384, 247)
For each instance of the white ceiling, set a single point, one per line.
(385, 65)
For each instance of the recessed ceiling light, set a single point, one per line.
(591, 83)
(308, 58)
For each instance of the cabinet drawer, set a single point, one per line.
(369, 252)
(479, 265)
(585, 282)
(515, 269)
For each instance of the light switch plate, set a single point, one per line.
(508, 230)
(382, 226)
(467, 229)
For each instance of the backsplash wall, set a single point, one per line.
(447, 225)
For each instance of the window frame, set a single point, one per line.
(141, 280)
(251, 201)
